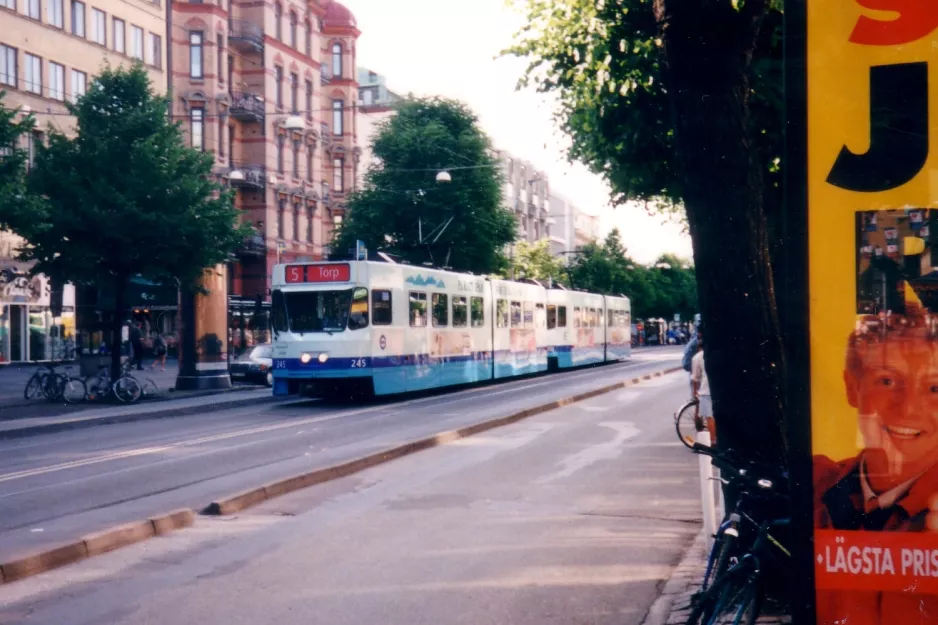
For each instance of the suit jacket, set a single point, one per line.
(838, 504)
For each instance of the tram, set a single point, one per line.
(386, 328)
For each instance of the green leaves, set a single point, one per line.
(124, 196)
(402, 209)
(534, 260)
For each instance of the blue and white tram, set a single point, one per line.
(398, 328)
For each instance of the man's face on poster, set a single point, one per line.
(893, 384)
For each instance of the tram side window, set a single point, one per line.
(279, 316)
(610, 315)
(460, 312)
(358, 317)
(516, 314)
(418, 309)
(594, 318)
(577, 317)
(551, 316)
(528, 316)
(381, 314)
(440, 309)
(539, 319)
(561, 316)
(477, 310)
(501, 313)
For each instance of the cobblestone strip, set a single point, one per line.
(672, 607)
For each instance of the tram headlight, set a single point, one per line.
(323, 357)
(305, 357)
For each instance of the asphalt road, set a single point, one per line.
(573, 516)
(58, 487)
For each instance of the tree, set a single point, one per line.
(679, 101)
(124, 197)
(13, 157)
(533, 260)
(401, 208)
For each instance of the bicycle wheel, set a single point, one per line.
(74, 391)
(719, 560)
(127, 389)
(686, 423)
(52, 385)
(150, 389)
(33, 387)
(732, 600)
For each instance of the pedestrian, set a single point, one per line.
(701, 386)
(686, 361)
(159, 350)
(136, 344)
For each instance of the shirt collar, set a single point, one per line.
(888, 498)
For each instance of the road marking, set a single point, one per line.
(145, 451)
(625, 430)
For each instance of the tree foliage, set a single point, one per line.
(679, 101)
(402, 209)
(13, 192)
(124, 197)
(534, 260)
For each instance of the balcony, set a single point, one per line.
(247, 107)
(245, 36)
(250, 177)
(253, 246)
(325, 74)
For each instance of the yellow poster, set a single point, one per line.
(873, 253)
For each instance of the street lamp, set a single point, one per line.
(294, 122)
(235, 175)
(444, 176)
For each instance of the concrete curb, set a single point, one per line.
(80, 423)
(246, 499)
(95, 544)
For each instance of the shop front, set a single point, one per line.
(28, 329)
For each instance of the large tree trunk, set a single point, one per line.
(117, 324)
(708, 47)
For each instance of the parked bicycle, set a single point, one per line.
(55, 385)
(126, 388)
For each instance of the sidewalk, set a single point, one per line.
(673, 605)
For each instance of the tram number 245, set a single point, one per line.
(359, 363)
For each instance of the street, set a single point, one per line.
(575, 515)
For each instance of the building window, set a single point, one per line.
(34, 9)
(220, 57)
(231, 145)
(309, 100)
(197, 120)
(156, 51)
(9, 4)
(136, 42)
(195, 54)
(309, 163)
(33, 74)
(278, 76)
(337, 60)
(338, 175)
(99, 27)
(78, 18)
(79, 84)
(293, 40)
(35, 140)
(296, 158)
(56, 13)
(8, 65)
(119, 45)
(221, 136)
(308, 33)
(296, 221)
(309, 225)
(278, 19)
(367, 97)
(337, 106)
(56, 81)
(280, 141)
(294, 93)
(281, 209)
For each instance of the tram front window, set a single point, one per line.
(318, 311)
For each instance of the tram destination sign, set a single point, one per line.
(299, 274)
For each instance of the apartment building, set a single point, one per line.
(270, 88)
(375, 104)
(527, 193)
(49, 52)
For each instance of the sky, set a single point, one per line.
(451, 48)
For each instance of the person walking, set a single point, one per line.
(136, 344)
(701, 387)
(690, 350)
(159, 350)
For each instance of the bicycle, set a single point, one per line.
(126, 388)
(70, 389)
(687, 423)
(37, 381)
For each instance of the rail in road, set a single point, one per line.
(61, 486)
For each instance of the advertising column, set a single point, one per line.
(203, 338)
(873, 320)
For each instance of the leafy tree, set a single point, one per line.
(13, 157)
(534, 260)
(401, 208)
(679, 101)
(124, 197)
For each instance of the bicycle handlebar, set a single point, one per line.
(750, 474)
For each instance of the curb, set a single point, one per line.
(166, 395)
(79, 423)
(246, 499)
(677, 584)
(95, 544)
(134, 532)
